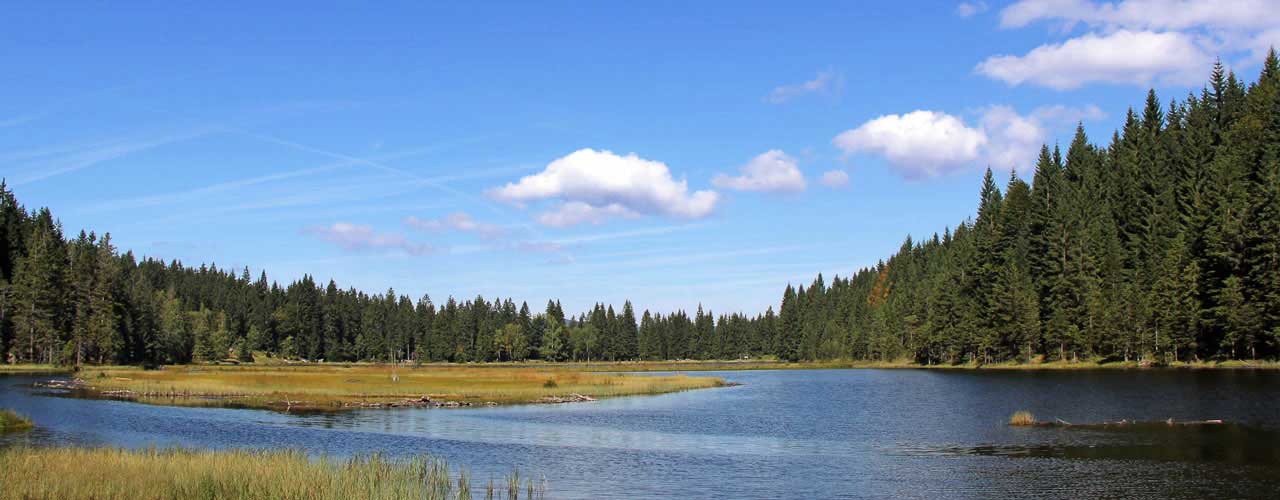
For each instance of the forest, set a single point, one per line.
(1162, 246)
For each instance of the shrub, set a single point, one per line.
(13, 422)
(1022, 418)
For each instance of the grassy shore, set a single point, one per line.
(32, 368)
(768, 364)
(13, 422)
(104, 473)
(337, 386)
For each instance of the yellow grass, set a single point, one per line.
(13, 422)
(1022, 418)
(333, 386)
(104, 473)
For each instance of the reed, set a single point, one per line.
(106, 473)
(13, 422)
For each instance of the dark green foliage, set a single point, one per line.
(1163, 246)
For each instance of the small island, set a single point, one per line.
(353, 386)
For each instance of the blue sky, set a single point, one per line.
(669, 153)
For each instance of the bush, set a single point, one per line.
(13, 422)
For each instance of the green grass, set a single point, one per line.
(13, 422)
(33, 368)
(106, 473)
(335, 386)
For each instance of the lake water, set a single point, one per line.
(781, 434)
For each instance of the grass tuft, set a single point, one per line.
(13, 422)
(1022, 418)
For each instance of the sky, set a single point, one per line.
(669, 153)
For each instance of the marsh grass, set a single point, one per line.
(32, 368)
(1022, 419)
(13, 422)
(105, 473)
(333, 386)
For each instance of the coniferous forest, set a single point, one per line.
(1162, 245)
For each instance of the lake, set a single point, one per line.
(781, 434)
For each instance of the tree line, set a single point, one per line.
(80, 300)
(1164, 245)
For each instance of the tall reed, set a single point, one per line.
(107, 473)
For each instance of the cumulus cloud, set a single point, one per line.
(572, 213)
(920, 143)
(772, 171)
(1125, 57)
(457, 221)
(924, 144)
(1012, 139)
(827, 81)
(970, 9)
(357, 237)
(1146, 14)
(593, 186)
(835, 178)
(1139, 42)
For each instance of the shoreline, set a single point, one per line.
(681, 365)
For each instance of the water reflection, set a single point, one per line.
(785, 434)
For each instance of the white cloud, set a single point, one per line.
(356, 237)
(596, 185)
(1139, 42)
(928, 143)
(970, 9)
(457, 221)
(1147, 14)
(1013, 139)
(1125, 57)
(572, 213)
(772, 171)
(835, 178)
(920, 143)
(826, 81)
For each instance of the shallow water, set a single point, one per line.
(782, 434)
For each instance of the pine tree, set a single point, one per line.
(39, 293)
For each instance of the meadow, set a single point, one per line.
(108, 473)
